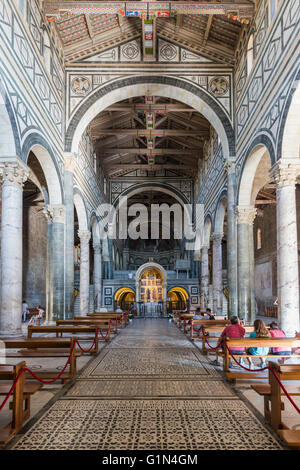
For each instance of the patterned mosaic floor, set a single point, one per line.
(149, 388)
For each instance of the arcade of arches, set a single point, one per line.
(196, 110)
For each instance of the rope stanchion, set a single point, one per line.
(254, 370)
(261, 370)
(213, 348)
(47, 382)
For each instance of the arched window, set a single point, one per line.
(250, 54)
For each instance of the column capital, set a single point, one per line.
(69, 161)
(13, 171)
(56, 212)
(285, 172)
(84, 235)
(229, 166)
(217, 237)
(245, 214)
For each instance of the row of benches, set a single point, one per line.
(59, 346)
(272, 392)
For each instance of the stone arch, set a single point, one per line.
(40, 148)
(289, 137)
(169, 87)
(255, 175)
(159, 187)
(220, 214)
(207, 231)
(81, 210)
(94, 227)
(9, 137)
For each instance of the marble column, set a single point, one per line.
(204, 277)
(84, 236)
(49, 268)
(97, 276)
(57, 251)
(70, 163)
(14, 173)
(245, 219)
(284, 173)
(217, 273)
(231, 240)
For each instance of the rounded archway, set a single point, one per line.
(168, 87)
(124, 298)
(178, 298)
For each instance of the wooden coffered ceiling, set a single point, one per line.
(161, 135)
(83, 35)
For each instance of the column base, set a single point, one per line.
(10, 334)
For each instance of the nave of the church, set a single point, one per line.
(150, 388)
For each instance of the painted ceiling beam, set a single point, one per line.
(143, 107)
(141, 166)
(145, 151)
(152, 132)
(238, 10)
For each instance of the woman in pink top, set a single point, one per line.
(275, 332)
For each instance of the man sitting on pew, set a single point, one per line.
(235, 330)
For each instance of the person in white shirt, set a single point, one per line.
(118, 309)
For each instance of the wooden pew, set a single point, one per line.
(123, 317)
(213, 325)
(90, 321)
(45, 348)
(214, 332)
(184, 319)
(20, 404)
(241, 343)
(60, 330)
(273, 405)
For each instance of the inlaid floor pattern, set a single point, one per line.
(150, 388)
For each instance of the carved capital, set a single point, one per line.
(217, 237)
(285, 172)
(229, 166)
(13, 171)
(57, 213)
(85, 236)
(245, 214)
(69, 162)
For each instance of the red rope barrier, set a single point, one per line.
(255, 370)
(25, 369)
(261, 370)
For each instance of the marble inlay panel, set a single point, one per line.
(148, 424)
(113, 362)
(150, 388)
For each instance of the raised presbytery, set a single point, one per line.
(150, 199)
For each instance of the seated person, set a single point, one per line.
(234, 330)
(260, 331)
(208, 315)
(198, 316)
(275, 332)
(118, 309)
